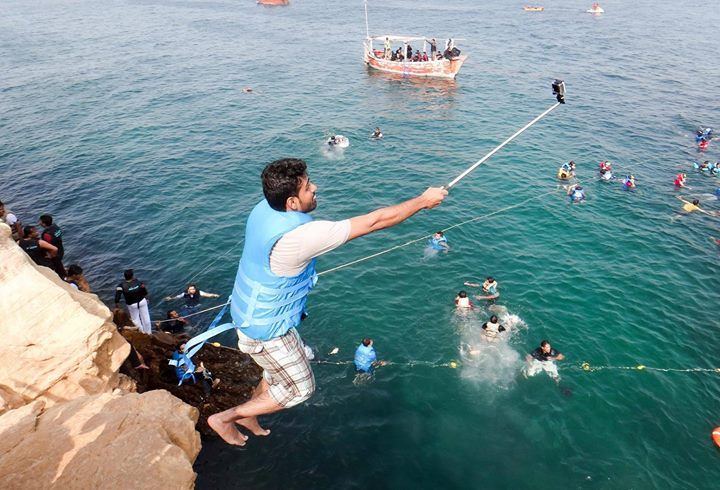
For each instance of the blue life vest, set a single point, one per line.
(566, 166)
(435, 243)
(364, 358)
(263, 305)
(184, 367)
(577, 195)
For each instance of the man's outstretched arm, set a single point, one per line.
(392, 215)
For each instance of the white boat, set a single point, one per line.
(441, 64)
(595, 9)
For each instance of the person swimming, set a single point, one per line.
(462, 300)
(490, 288)
(576, 193)
(366, 358)
(629, 182)
(492, 328)
(541, 359)
(680, 180)
(377, 134)
(566, 170)
(439, 241)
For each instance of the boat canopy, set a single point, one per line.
(398, 39)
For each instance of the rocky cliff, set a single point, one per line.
(68, 419)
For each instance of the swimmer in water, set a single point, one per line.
(680, 180)
(492, 328)
(576, 193)
(690, 207)
(439, 242)
(462, 300)
(629, 182)
(366, 358)
(490, 288)
(542, 359)
(377, 134)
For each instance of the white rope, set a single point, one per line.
(193, 314)
(482, 160)
(477, 218)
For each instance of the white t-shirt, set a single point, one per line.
(292, 253)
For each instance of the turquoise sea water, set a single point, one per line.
(126, 120)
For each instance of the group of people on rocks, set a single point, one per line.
(44, 247)
(406, 53)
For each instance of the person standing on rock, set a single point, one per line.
(275, 275)
(53, 234)
(135, 295)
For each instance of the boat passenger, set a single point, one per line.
(425, 56)
(409, 52)
(433, 49)
(393, 56)
(462, 300)
(388, 48)
(417, 56)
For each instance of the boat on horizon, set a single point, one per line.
(533, 8)
(445, 64)
(273, 2)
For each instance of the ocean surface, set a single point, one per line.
(127, 121)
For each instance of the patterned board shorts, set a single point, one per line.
(285, 366)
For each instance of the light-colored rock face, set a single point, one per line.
(58, 343)
(68, 419)
(108, 441)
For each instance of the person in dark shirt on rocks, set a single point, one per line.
(542, 359)
(135, 295)
(38, 249)
(53, 234)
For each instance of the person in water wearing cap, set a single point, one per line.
(462, 300)
(542, 359)
(629, 182)
(492, 328)
(274, 278)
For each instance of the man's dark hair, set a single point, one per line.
(74, 270)
(366, 342)
(544, 343)
(462, 294)
(494, 319)
(696, 202)
(129, 274)
(27, 231)
(46, 219)
(281, 180)
(2, 203)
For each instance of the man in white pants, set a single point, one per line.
(136, 300)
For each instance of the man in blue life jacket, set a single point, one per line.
(365, 357)
(276, 273)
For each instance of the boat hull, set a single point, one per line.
(446, 68)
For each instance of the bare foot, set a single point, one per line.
(251, 423)
(226, 430)
(215, 382)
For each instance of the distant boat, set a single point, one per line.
(535, 8)
(595, 9)
(445, 65)
(273, 2)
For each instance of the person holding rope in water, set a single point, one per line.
(275, 275)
